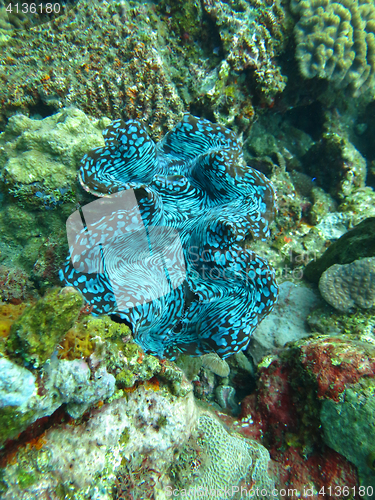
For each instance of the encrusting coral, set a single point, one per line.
(336, 41)
(39, 158)
(252, 34)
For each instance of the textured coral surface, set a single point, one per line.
(336, 40)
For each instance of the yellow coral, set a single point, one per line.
(336, 41)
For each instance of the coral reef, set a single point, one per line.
(39, 158)
(78, 386)
(35, 335)
(336, 41)
(347, 167)
(252, 34)
(286, 410)
(335, 363)
(353, 245)
(193, 181)
(348, 286)
(326, 321)
(15, 285)
(149, 61)
(17, 384)
(123, 74)
(217, 461)
(71, 383)
(113, 440)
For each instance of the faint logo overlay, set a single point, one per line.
(108, 241)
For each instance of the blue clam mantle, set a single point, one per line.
(193, 183)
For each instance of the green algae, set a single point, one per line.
(40, 157)
(349, 428)
(13, 421)
(327, 321)
(35, 335)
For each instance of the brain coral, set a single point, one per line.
(222, 462)
(351, 285)
(193, 183)
(336, 41)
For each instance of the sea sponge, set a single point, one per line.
(9, 313)
(336, 41)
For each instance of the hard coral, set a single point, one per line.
(336, 41)
(218, 459)
(348, 286)
(40, 157)
(123, 73)
(252, 34)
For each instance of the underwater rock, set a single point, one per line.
(323, 206)
(83, 458)
(286, 323)
(333, 225)
(357, 243)
(349, 286)
(15, 285)
(284, 410)
(328, 322)
(338, 167)
(39, 157)
(359, 205)
(348, 427)
(343, 370)
(71, 383)
(193, 181)
(35, 335)
(78, 386)
(17, 384)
